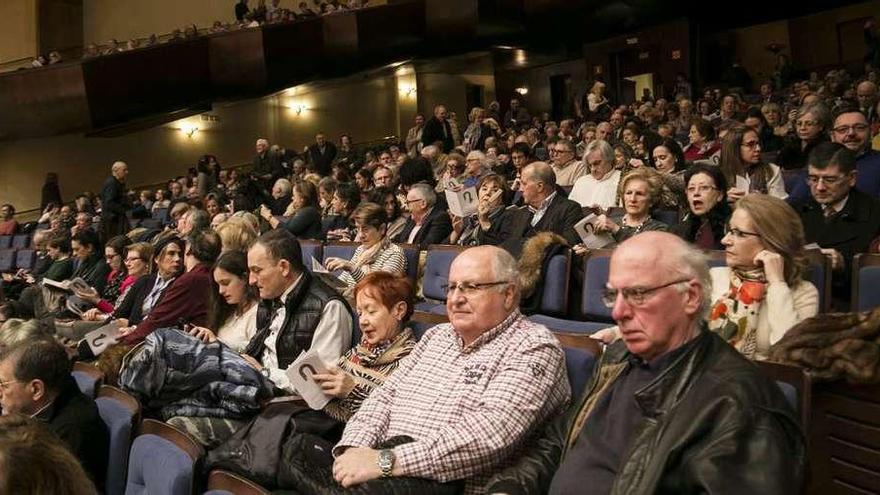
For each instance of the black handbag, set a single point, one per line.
(308, 469)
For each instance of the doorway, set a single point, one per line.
(474, 94)
(561, 98)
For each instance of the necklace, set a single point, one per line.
(637, 228)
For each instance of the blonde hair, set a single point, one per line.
(237, 234)
(781, 231)
(650, 177)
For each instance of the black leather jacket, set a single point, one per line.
(717, 426)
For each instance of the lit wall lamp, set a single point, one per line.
(522, 90)
(408, 90)
(189, 130)
(299, 108)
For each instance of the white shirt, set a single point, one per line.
(238, 330)
(331, 339)
(588, 191)
(538, 214)
(775, 186)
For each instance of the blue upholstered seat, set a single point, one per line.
(868, 282)
(579, 364)
(411, 252)
(88, 383)
(7, 260)
(437, 264)
(574, 326)
(5, 241)
(554, 299)
(595, 278)
(311, 249)
(158, 466)
(340, 250)
(790, 394)
(21, 241)
(24, 259)
(119, 420)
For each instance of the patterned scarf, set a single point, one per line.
(734, 315)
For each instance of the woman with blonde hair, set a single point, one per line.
(477, 131)
(237, 234)
(761, 293)
(33, 461)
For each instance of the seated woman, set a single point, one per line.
(337, 227)
(452, 174)
(305, 221)
(761, 293)
(492, 223)
(91, 268)
(669, 160)
(376, 252)
(393, 212)
(137, 262)
(702, 144)
(364, 180)
(743, 168)
(709, 211)
(237, 234)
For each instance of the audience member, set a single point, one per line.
(438, 131)
(461, 430)
(492, 222)
(321, 154)
(702, 144)
(114, 205)
(90, 263)
(516, 116)
(709, 209)
(598, 189)
(718, 410)
(546, 209)
(566, 166)
(743, 168)
(8, 225)
(427, 223)
(36, 381)
(811, 126)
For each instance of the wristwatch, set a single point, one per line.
(386, 462)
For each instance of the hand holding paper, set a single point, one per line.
(301, 374)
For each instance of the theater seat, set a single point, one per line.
(121, 413)
(790, 394)
(24, 259)
(866, 280)
(343, 250)
(88, 378)
(438, 260)
(311, 249)
(7, 260)
(5, 241)
(819, 273)
(574, 326)
(163, 460)
(554, 299)
(21, 241)
(669, 217)
(411, 252)
(579, 364)
(596, 265)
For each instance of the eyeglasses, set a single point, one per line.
(410, 201)
(845, 129)
(829, 180)
(806, 123)
(700, 189)
(470, 288)
(5, 385)
(634, 296)
(752, 145)
(132, 260)
(739, 234)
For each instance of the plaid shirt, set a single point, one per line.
(470, 408)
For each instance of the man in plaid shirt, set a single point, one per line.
(470, 394)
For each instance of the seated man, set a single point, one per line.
(35, 380)
(671, 408)
(8, 224)
(187, 298)
(428, 222)
(300, 312)
(546, 209)
(838, 217)
(472, 392)
(599, 187)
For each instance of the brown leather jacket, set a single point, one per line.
(715, 422)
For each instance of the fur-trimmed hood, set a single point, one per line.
(531, 261)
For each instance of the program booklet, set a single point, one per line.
(67, 285)
(586, 229)
(462, 203)
(320, 271)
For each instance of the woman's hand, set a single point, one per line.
(90, 295)
(335, 382)
(580, 249)
(774, 265)
(457, 224)
(334, 264)
(606, 335)
(202, 333)
(605, 224)
(636, 163)
(265, 212)
(93, 314)
(253, 362)
(734, 194)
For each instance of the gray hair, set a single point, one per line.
(480, 156)
(199, 219)
(284, 185)
(690, 261)
(603, 148)
(542, 172)
(17, 331)
(505, 267)
(819, 112)
(426, 192)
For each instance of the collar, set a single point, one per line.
(44, 413)
(837, 207)
(563, 166)
(488, 335)
(544, 204)
(289, 290)
(604, 177)
(424, 217)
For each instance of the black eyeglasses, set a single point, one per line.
(634, 296)
(739, 234)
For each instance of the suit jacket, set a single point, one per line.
(850, 232)
(434, 230)
(305, 223)
(560, 217)
(268, 164)
(433, 132)
(74, 418)
(322, 160)
(186, 299)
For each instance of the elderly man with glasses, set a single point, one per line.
(565, 164)
(470, 396)
(671, 408)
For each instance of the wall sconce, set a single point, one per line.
(522, 90)
(299, 108)
(189, 130)
(408, 91)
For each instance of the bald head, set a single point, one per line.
(659, 287)
(119, 170)
(866, 92)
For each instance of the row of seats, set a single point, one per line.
(18, 241)
(17, 259)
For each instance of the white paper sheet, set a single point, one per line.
(300, 374)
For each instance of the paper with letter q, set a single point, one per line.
(101, 338)
(300, 374)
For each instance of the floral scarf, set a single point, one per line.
(734, 315)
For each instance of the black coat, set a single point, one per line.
(305, 223)
(434, 230)
(560, 217)
(132, 304)
(850, 232)
(322, 160)
(75, 419)
(433, 132)
(711, 413)
(114, 207)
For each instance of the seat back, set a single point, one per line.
(311, 249)
(669, 217)
(88, 378)
(795, 383)
(844, 443)
(24, 259)
(21, 241)
(596, 264)
(5, 241)
(163, 460)
(554, 299)
(343, 250)
(866, 280)
(579, 364)
(7, 260)
(121, 413)
(411, 253)
(819, 273)
(225, 482)
(437, 263)
(421, 321)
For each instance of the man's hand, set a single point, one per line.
(357, 465)
(836, 258)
